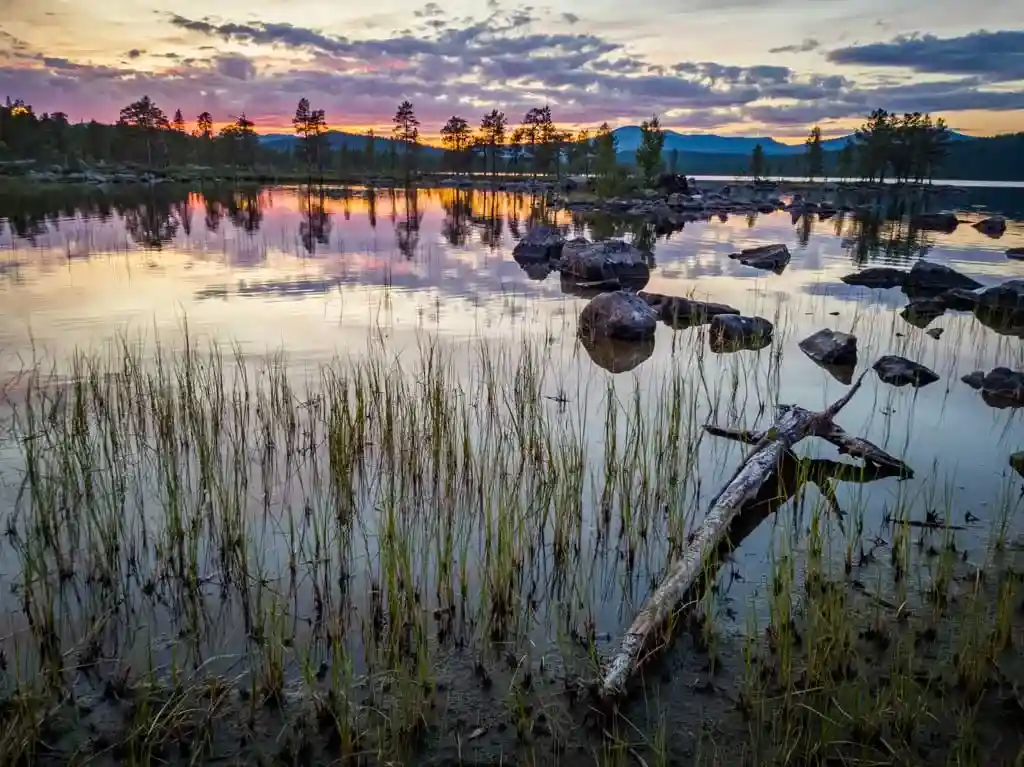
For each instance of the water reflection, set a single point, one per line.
(452, 247)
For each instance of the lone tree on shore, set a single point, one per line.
(311, 128)
(815, 154)
(758, 168)
(648, 154)
(407, 130)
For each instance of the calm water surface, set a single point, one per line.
(314, 275)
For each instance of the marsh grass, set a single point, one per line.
(218, 554)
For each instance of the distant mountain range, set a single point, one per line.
(628, 138)
(354, 142)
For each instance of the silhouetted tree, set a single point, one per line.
(815, 155)
(147, 118)
(757, 167)
(311, 128)
(492, 136)
(407, 130)
(455, 136)
(846, 160)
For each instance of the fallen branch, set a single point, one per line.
(792, 424)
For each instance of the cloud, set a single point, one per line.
(235, 66)
(993, 56)
(510, 60)
(808, 45)
(134, 53)
(570, 18)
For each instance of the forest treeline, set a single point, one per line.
(909, 147)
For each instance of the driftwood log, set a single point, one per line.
(771, 450)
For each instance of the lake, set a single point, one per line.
(408, 308)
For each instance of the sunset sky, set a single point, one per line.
(747, 67)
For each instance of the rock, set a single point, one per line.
(922, 312)
(975, 380)
(935, 222)
(773, 257)
(1008, 296)
(681, 313)
(541, 243)
(935, 333)
(731, 332)
(606, 261)
(1003, 387)
(959, 299)
(928, 277)
(994, 226)
(828, 347)
(620, 314)
(1017, 463)
(899, 371)
(615, 355)
(1016, 253)
(877, 277)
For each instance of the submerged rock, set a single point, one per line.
(993, 226)
(935, 333)
(1017, 463)
(959, 299)
(772, 257)
(605, 261)
(732, 332)
(899, 371)
(681, 313)
(877, 277)
(922, 312)
(620, 315)
(1001, 387)
(1017, 253)
(936, 222)
(929, 277)
(541, 243)
(1008, 296)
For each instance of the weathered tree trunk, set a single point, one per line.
(791, 425)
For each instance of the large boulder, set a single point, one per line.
(732, 332)
(620, 315)
(927, 277)
(993, 226)
(681, 313)
(877, 277)
(935, 222)
(606, 261)
(772, 257)
(541, 243)
(829, 347)
(899, 371)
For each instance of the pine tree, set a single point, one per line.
(815, 154)
(648, 154)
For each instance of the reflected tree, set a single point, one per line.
(315, 227)
(150, 223)
(458, 209)
(246, 211)
(407, 231)
(371, 206)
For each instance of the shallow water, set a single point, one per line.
(315, 275)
